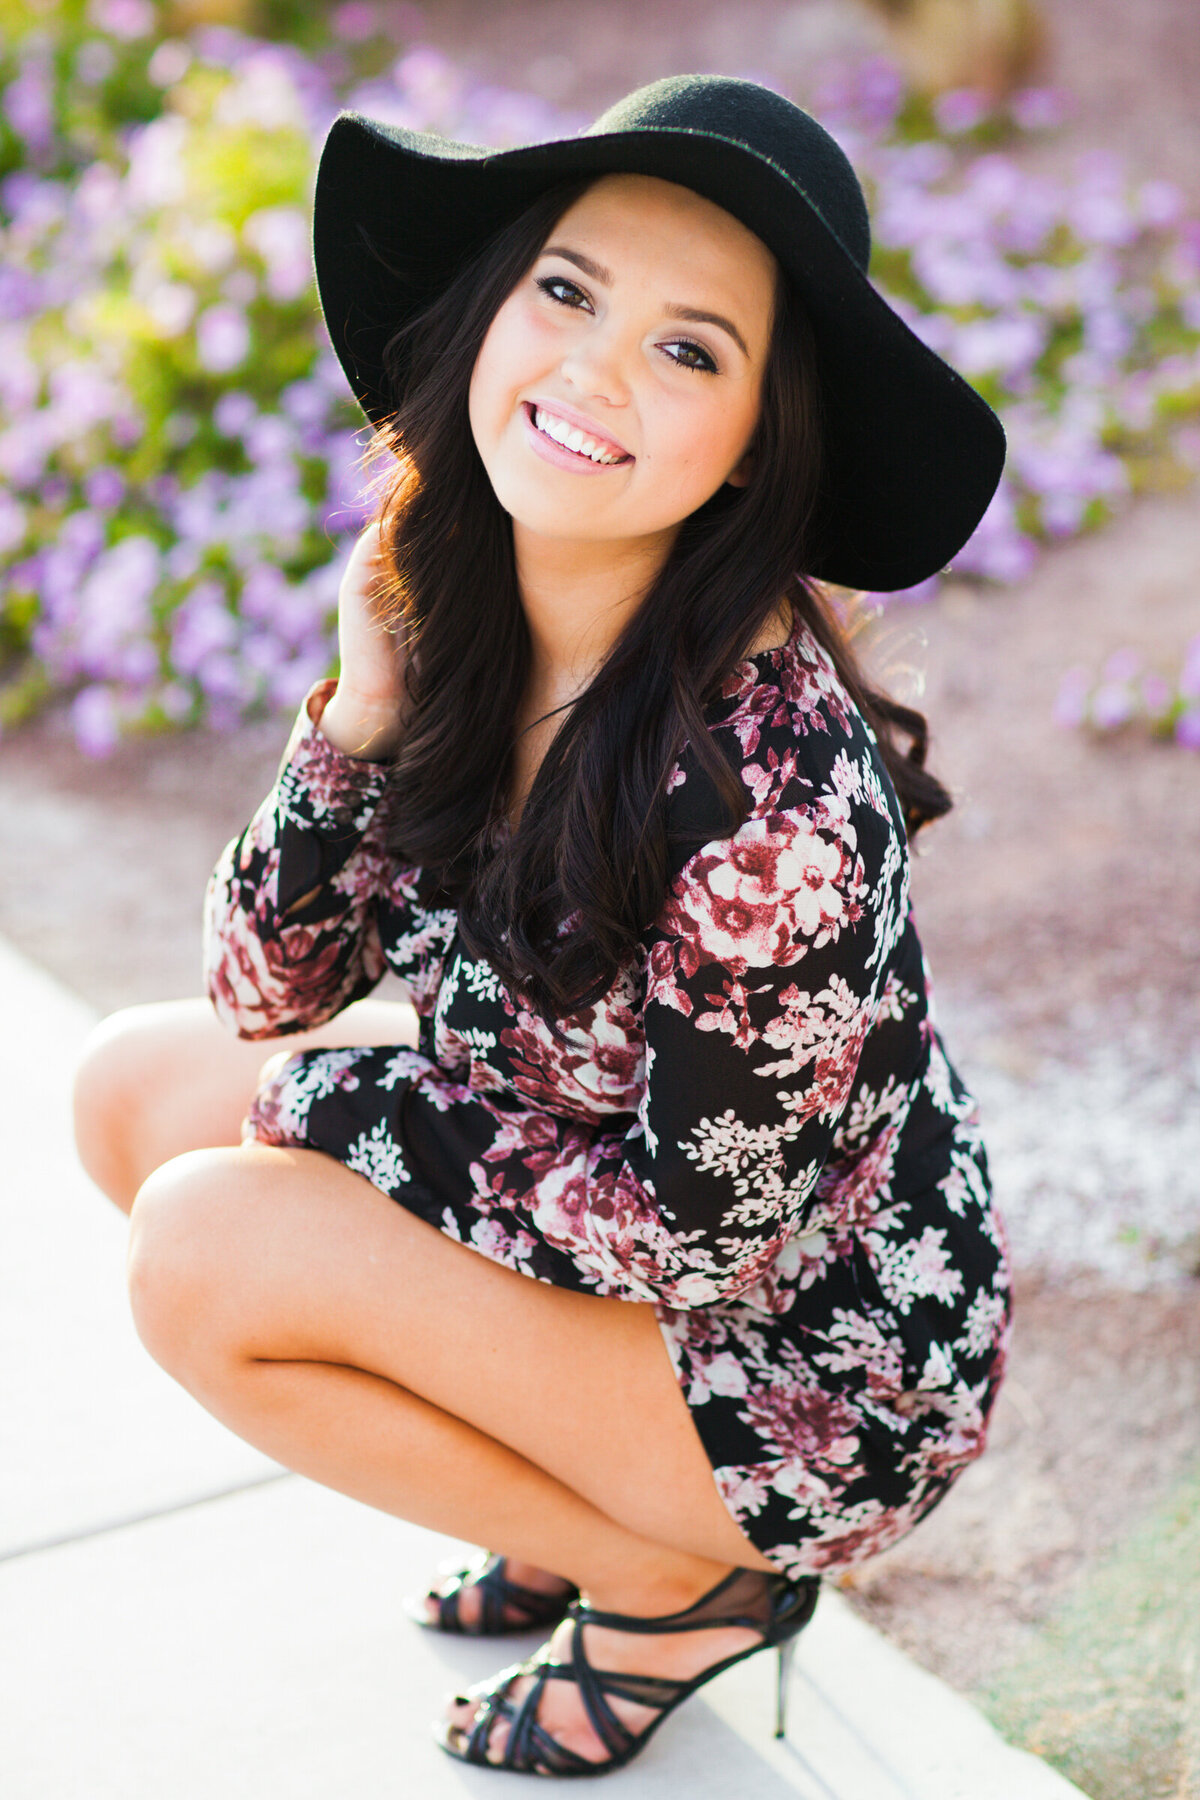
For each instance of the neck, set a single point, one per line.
(578, 598)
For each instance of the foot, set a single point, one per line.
(470, 1602)
(679, 1656)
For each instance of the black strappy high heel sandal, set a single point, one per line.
(499, 1598)
(770, 1604)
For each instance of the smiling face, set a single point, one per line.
(618, 386)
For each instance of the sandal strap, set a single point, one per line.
(528, 1744)
(496, 1593)
(778, 1608)
(530, 1748)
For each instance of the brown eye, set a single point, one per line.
(692, 356)
(570, 295)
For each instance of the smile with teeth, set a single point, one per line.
(572, 438)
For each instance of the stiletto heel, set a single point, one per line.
(786, 1653)
(778, 1609)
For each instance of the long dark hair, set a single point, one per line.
(559, 905)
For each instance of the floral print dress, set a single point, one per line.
(756, 1131)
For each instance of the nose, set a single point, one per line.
(595, 366)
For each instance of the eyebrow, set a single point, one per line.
(599, 273)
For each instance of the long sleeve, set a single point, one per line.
(758, 983)
(291, 916)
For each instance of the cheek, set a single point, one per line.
(482, 396)
(704, 444)
(511, 354)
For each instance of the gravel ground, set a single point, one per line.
(1059, 903)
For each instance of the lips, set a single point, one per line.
(576, 435)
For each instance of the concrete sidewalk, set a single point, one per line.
(180, 1619)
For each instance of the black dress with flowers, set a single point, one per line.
(756, 1131)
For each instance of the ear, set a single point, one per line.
(741, 475)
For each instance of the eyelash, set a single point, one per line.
(708, 367)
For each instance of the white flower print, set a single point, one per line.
(891, 905)
(963, 1184)
(403, 1065)
(745, 1491)
(378, 1156)
(939, 1084)
(726, 1146)
(643, 1106)
(492, 1240)
(869, 1110)
(481, 980)
(939, 1368)
(318, 1077)
(721, 1374)
(984, 1323)
(917, 1268)
(895, 1000)
(826, 1029)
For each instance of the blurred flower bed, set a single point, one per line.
(180, 458)
(1129, 693)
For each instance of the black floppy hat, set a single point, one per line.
(913, 453)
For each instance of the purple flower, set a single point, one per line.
(1112, 705)
(962, 109)
(282, 237)
(94, 62)
(1038, 108)
(104, 488)
(28, 106)
(222, 338)
(175, 701)
(169, 63)
(1189, 674)
(1070, 703)
(201, 626)
(355, 21)
(113, 604)
(94, 721)
(1156, 696)
(998, 549)
(123, 18)
(1159, 204)
(1123, 665)
(1187, 729)
(924, 590)
(233, 412)
(304, 402)
(292, 681)
(268, 438)
(12, 523)
(171, 304)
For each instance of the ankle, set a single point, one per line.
(664, 1584)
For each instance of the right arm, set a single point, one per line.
(291, 934)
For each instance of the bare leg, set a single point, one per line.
(356, 1344)
(156, 1081)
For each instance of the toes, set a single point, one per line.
(459, 1720)
(422, 1609)
(426, 1609)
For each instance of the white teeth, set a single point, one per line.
(571, 437)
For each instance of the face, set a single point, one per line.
(618, 386)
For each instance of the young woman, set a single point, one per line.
(600, 780)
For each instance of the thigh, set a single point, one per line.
(291, 1256)
(158, 1080)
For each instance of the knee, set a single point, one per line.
(115, 1084)
(177, 1250)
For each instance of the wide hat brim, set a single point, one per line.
(913, 454)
